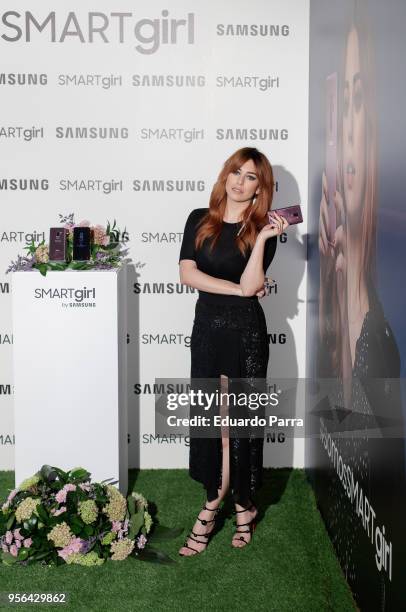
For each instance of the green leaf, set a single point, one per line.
(76, 529)
(48, 473)
(154, 556)
(42, 267)
(131, 504)
(33, 521)
(22, 554)
(78, 474)
(8, 559)
(42, 513)
(88, 530)
(136, 522)
(11, 520)
(40, 555)
(162, 533)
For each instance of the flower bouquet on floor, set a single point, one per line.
(57, 517)
(107, 249)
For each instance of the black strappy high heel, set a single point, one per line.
(251, 526)
(201, 535)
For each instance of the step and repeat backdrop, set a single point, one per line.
(356, 293)
(127, 113)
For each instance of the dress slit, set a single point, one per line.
(229, 340)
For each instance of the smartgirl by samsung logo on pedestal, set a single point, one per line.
(69, 297)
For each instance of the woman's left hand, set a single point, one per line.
(273, 229)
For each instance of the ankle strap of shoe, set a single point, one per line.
(243, 510)
(211, 509)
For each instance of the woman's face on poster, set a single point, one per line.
(354, 131)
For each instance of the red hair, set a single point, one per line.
(255, 217)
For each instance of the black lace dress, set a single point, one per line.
(229, 337)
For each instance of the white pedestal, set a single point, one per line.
(69, 358)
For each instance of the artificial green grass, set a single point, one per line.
(289, 565)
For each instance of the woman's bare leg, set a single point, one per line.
(208, 515)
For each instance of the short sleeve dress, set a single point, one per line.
(229, 337)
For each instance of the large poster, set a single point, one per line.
(128, 112)
(356, 331)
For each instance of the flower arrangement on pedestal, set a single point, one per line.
(107, 250)
(56, 517)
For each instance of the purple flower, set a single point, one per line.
(87, 544)
(115, 526)
(9, 537)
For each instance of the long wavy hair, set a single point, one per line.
(367, 230)
(254, 217)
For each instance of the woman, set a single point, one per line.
(225, 253)
(357, 344)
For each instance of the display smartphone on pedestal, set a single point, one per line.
(58, 243)
(81, 243)
(331, 149)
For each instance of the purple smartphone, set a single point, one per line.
(292, 214)
(58, 243)
(331, 149)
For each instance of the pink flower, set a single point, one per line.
(63, 553)
(12, 495)
(69, 227)
(100, 236)
(18, 543)
(124, 529)
(4, 547)
(84, 223)
(13, 550)
(27, 542)
(115, 526)
(85, 486)
(17, 534)
(74, 546)
(61, 495)
(58, 511)
(9, 537)
(141, 541)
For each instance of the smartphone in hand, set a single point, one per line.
(292, 214)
